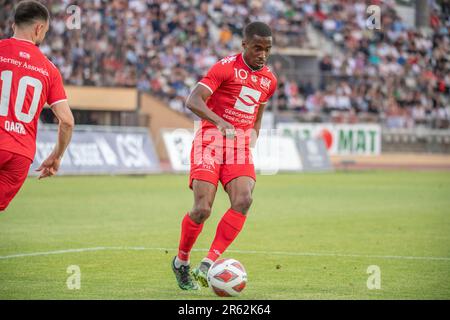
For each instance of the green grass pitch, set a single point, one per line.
(307, 236)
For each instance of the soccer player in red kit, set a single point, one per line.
(230, 100)
(28, 81)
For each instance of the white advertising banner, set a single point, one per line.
(340, 139)
(178, 144)
(275, 153)
(272, 153)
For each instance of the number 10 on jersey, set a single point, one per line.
(6, 78)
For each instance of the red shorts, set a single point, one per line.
(13, 172)
(221, 165)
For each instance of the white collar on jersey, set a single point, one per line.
(20, 39)
(253, 70)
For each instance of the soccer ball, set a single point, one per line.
(227, 277)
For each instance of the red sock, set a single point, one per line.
(227, 230)
(189, 233)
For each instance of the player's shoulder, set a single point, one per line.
(40, 58)
(50, 63)
(269, 73)
(229, 60)
(224, 67)
(5, 42)
(269, 79)
(226, 63)
(51, 67)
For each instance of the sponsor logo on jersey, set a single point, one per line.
(254, 78)
(265, 83)
(24, 55)
(247, 100)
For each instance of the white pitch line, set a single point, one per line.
(281, 253)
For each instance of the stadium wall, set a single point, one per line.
(102, 99)
(159, 115)
(418, 141)
(393, 161)
(162, 117)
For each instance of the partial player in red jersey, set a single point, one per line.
(230, 100)
(28, 81)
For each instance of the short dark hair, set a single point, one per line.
(27, 12)
(257, 29)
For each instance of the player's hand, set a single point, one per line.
(226, 129)
(49, 167)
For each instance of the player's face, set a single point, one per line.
(40, 30)
(257, 50)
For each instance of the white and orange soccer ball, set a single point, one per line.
(227, 277)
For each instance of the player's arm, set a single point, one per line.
(66, 124)
(257, 126)
(196, 102)
(65, 127)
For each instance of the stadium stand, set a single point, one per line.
(398, 76)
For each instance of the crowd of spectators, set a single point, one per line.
(398, 74)
(158, 46)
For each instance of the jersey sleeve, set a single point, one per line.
(56, 93)
(216, 76)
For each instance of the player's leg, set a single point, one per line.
(13, 172)
(204, 178)
(191, 226)
(240, 192)
(239, 182)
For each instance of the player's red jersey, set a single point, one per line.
(28, 81)
(236, 93)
